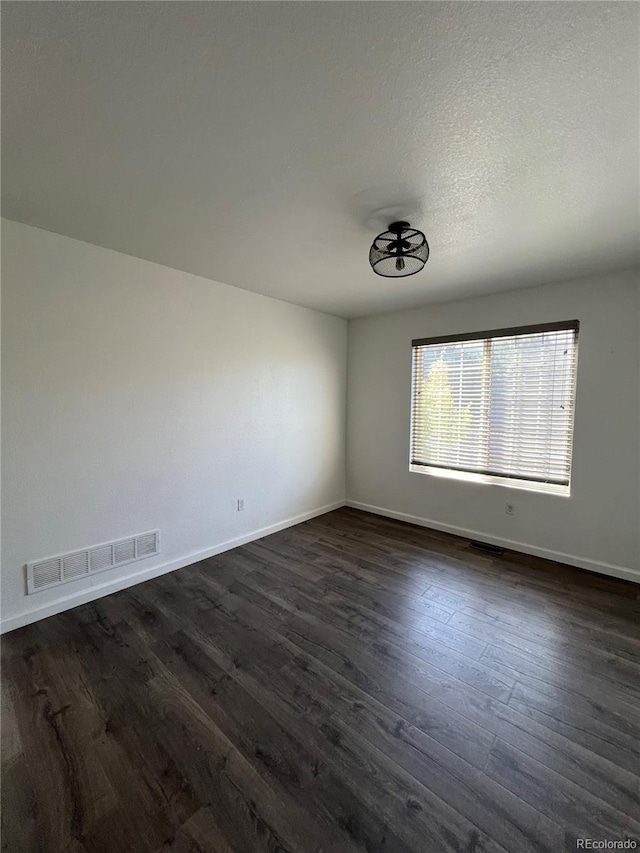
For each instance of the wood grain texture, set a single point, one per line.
(350, 684)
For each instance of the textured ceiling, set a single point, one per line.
(265, 144)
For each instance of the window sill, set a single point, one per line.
(470, 477)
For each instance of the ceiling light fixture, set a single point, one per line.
(400, 251)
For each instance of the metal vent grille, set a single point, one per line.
(101, 558)
(146, 545)
(486, 548)
(75, 565)
(44, 574)
(124, 552)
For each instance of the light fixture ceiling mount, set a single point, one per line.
(399, 251)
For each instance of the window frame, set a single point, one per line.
(461, 474)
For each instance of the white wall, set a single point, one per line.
(597, 526)
(138, 397)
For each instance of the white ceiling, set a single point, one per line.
(265, 144)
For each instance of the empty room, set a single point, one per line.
(320, 427)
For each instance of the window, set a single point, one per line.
(496, 406)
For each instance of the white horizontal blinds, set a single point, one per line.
(500, 405)
(448, 411)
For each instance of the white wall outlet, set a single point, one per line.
(510, 509)
(240, 504)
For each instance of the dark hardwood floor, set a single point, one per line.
(350, 684)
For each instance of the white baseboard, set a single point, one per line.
(623, 572)
(95, 592)
(84, 596)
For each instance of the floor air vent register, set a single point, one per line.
(485, 548)
(44, 574)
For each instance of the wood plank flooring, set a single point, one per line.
(350, 684)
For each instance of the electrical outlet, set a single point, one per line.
(510, 509)
(240, 504)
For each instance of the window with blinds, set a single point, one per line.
(496, 406)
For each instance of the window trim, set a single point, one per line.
(544, 485)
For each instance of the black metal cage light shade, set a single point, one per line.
(400, 251)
